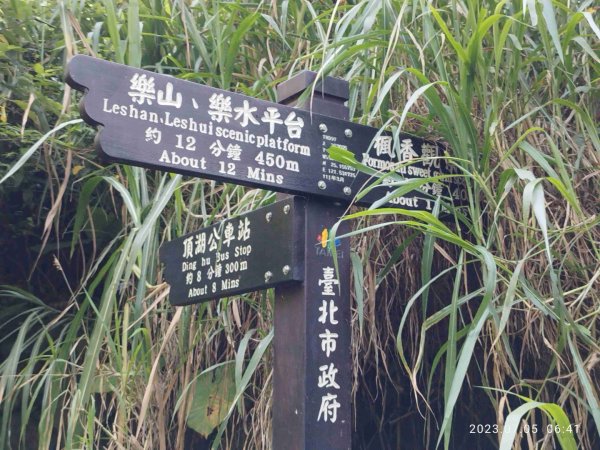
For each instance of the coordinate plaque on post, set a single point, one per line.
(251, 252)
(165, 123)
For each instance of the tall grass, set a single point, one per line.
(495, 311)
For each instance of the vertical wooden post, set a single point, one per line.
(312, 362)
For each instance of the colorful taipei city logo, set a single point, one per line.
(323, 239)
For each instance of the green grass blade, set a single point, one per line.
(23, 159)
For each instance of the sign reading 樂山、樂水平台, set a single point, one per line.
(161, 122)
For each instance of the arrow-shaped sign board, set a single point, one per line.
(253, 251)
(165, 123)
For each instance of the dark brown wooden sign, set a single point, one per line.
(312, 377)
(254, 251)
(161, 122)
(312, 365)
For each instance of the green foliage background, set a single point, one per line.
(492, 319)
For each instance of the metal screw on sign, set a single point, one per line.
(286, 269)
(347, 190)
(268, 276)
(286, 209)
(269, 216)
(322, 184)
(348, 133)
(323, 128)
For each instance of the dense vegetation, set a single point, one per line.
(491, 319)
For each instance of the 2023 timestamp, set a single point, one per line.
(489, 428)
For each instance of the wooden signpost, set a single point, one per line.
(312, 376)
(160, 122)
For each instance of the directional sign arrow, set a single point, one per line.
(165, 123)
(257, 250)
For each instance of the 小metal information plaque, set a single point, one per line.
(161, 122)
(251, 252)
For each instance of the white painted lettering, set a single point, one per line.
(242, 250)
